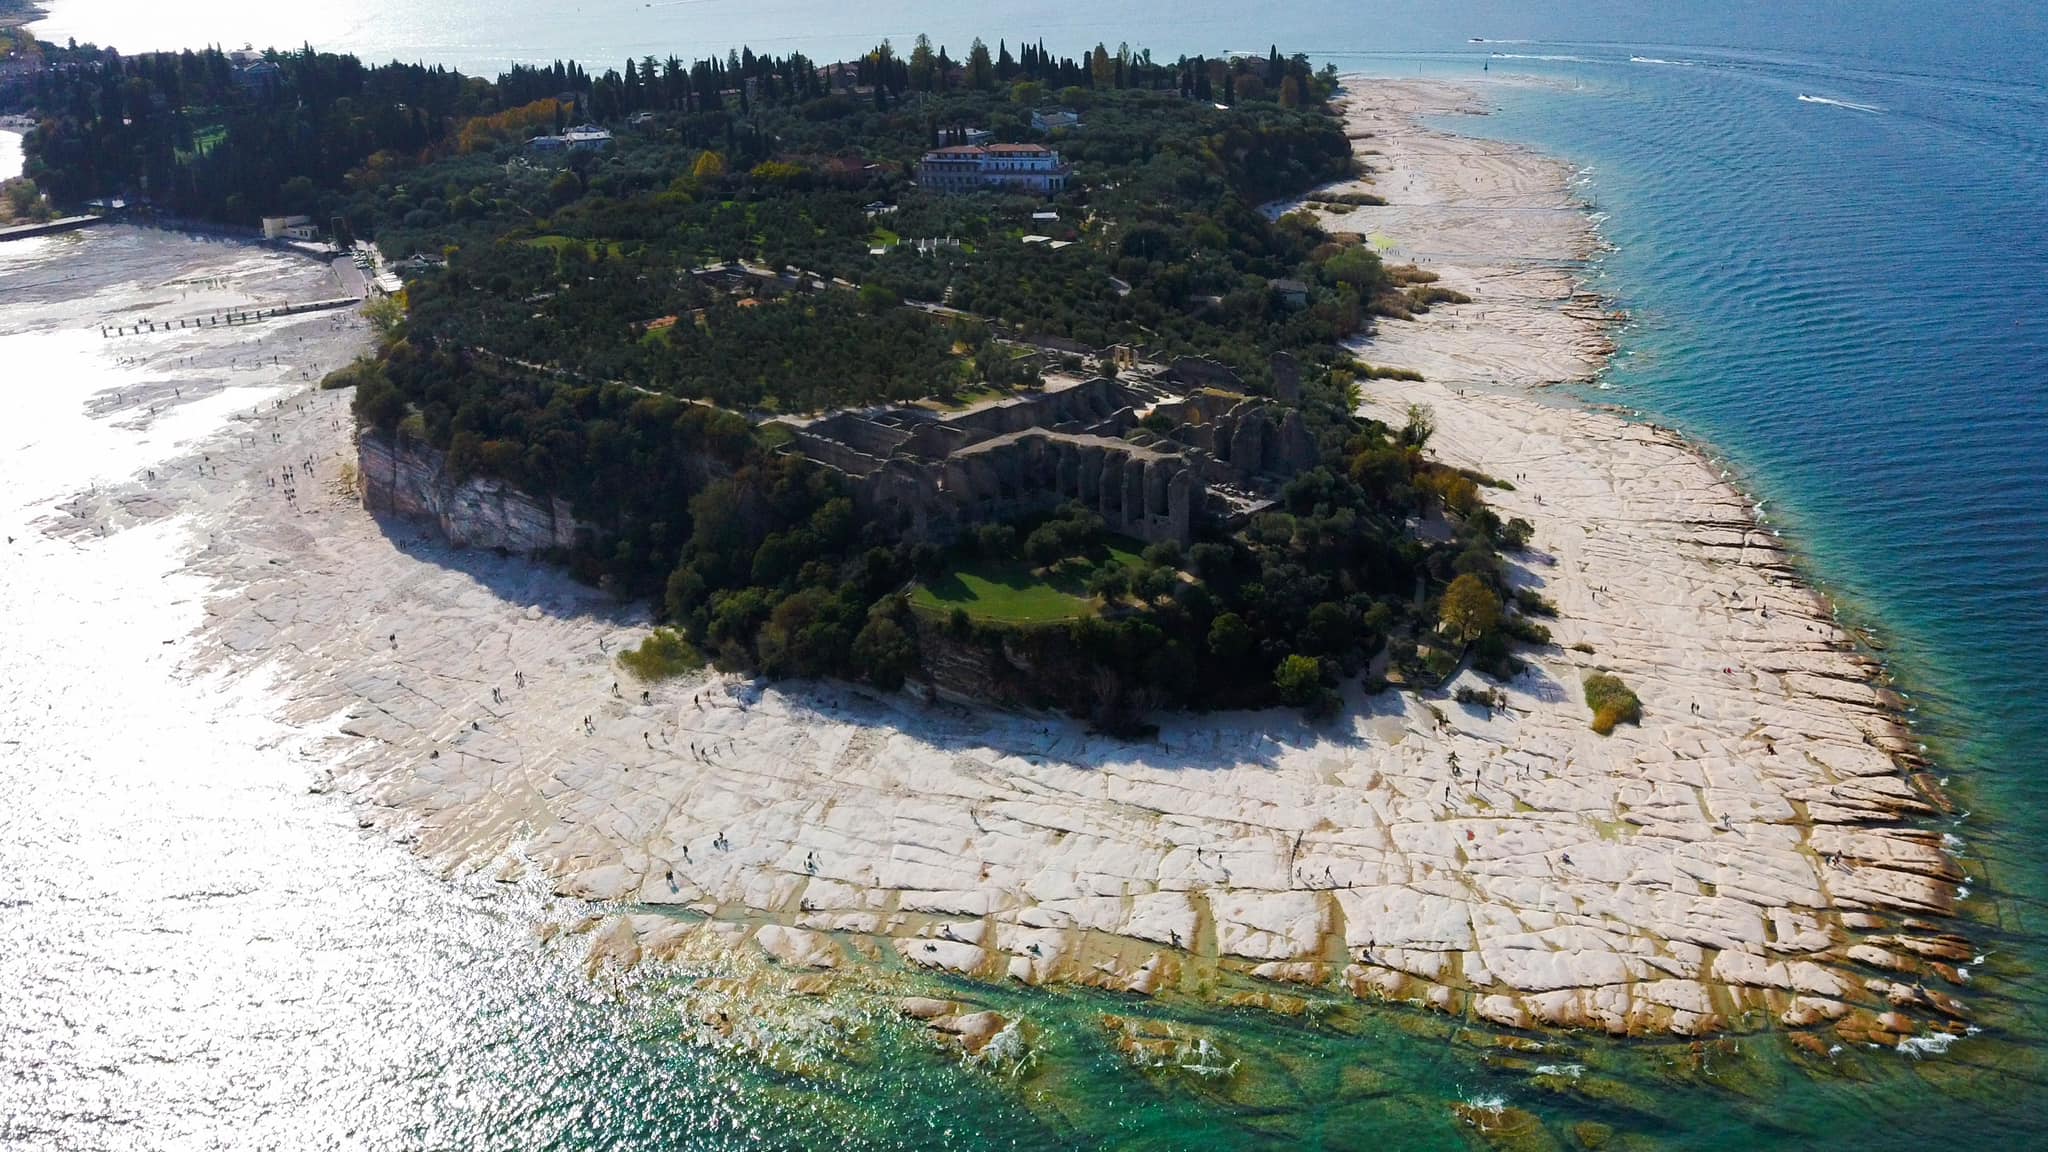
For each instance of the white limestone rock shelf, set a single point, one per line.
(1742, 856)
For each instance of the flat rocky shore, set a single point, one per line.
(1749, 854)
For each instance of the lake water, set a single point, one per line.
(1846, 296)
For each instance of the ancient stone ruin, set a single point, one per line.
(1155, 459)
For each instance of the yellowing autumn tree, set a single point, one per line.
(1469, 610)
(513, 124)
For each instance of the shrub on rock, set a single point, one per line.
(665, 653)
(1612, 702)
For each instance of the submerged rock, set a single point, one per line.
(1505, 1128)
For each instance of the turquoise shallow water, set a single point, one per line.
(1849, 300)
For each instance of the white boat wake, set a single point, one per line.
(1849, 104)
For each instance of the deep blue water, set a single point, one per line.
(1848, 301)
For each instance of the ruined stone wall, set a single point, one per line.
(1138, 492)
(1248, 440)
(1150, 495)
(902, 497)
(1196, 372)
(1088, 403)
(858, 432)
(400, 476)
(1031, 455)
(835, 453)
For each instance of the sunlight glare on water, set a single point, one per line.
(196, 953)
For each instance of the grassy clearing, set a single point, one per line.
(1612, 702)
(1008, 592)
(964, 399)
(665, 653)
(613, 249)
(203, 141)
(1013, 592)
(1124, 551)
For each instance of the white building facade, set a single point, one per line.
(1030, 168)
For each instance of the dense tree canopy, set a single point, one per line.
(611, 326)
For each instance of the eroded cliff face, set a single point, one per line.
(402, 476)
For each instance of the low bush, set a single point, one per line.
(1350, 199)
(1487, 698)
(1390, 306)
(1421, 297)
(358, 371)
(1302, 681)
(1491, 656)
(665, 653)
(1382, 372)
(1612, 702)
(1526, 630)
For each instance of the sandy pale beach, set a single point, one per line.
(1747, 855)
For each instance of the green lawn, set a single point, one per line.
(1012, 592)
(557, 242)
(203, 141)
(962, 399)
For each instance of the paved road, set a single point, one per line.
(351, 277)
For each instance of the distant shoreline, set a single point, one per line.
(20, 13)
